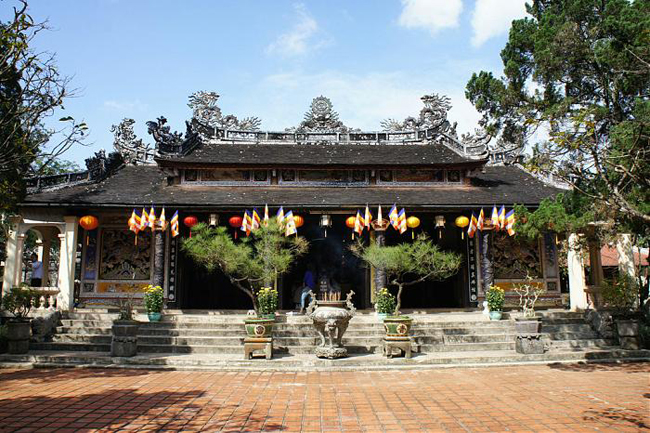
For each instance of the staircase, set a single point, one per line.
(465, 334)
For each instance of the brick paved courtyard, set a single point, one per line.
(562, 397)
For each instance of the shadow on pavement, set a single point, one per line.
(627, 367)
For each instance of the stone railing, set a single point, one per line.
(43, 182)
(45, 298)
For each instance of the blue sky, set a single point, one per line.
(373, 59)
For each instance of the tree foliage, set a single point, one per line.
(31, 89)
(406, 264)
(581, 69)
(250, 263)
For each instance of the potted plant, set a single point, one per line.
(267, 300)
(407, 264)
(621, 296)
(529, 292)
(385, 303)
(251, 263)
(18, 301)
(495, 297)
(153, 302)
(125, 328)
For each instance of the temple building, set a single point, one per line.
(222, 166)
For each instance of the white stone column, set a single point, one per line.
(67, 256)
(625, 255)
(577, 285)
(45, 259)
(13, 263)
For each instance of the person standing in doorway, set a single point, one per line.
(308, 283)
(37, 271)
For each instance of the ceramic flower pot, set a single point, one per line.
(495, 315)
(397, 326)
(528, 325)
(259, 327)
(154, 316)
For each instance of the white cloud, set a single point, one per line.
(299, 40)
(126, 106)
(492, 18)
(432, 15)
(362, 101)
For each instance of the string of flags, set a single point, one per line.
(144, 220)
(499, 220)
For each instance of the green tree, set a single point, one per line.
(252, 262)
(31, 89)
(407, 264)
(581, 69)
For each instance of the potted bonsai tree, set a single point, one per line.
(153, 302)
(125, 327)
(250, 263)
(529, 292)
(385, 303)
(495, 298)
(407, 264)
(18, 302)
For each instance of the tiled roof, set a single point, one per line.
(136, 186)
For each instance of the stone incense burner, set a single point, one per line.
(331, 319)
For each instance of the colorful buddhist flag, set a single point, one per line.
(393, 217)
(502, 218)
(472, 226)
(401, 218)
(152, 219)
(144, 219)
(495, 218)
(379, 216)
(510, 222)
(367, 218)
(174, 225)
(266, 215)
(245, 223)
(162, 222)
(255, 223)
(480, 221)
(290, 224)
(358, 224)
(279, 216)
(134, 222)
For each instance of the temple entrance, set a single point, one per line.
(329, 259)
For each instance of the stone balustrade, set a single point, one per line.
(46, 298)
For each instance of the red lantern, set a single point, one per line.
(235, 222)
(298, 220)
(89, 222)
(190, 221)
(350, 222)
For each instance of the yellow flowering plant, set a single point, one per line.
(267, 299)
(385, 303)
(153, 299)
(495, 298)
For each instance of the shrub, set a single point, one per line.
(153, 299)
(621, 293)
(18, 301)
(495, 298)
(528, 293)
(385, 302)
(267, 299)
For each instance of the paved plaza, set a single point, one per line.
(559, 397)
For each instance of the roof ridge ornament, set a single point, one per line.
(126, 143)
(206, 112)
(321, 117)
(432, 116)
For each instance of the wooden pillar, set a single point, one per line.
(159, 259)
(576, 268)
(595, 264)
(487, 267)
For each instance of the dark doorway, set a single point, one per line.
(330, 256)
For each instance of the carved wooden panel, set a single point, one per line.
(121, 258)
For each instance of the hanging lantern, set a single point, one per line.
(89, 222)
(298, 220)
(325, 222)
(235, 222)
(190, 221)
(412, 222)
(440, 224)
(350, 222)
(462, 222)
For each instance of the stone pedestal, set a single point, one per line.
(253, 344)
(402, 344)
(125, 338)
(529, 344)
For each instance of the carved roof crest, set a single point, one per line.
(321, 117)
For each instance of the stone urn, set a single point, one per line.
(19, 330)
(125, 338)
(331, 319)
